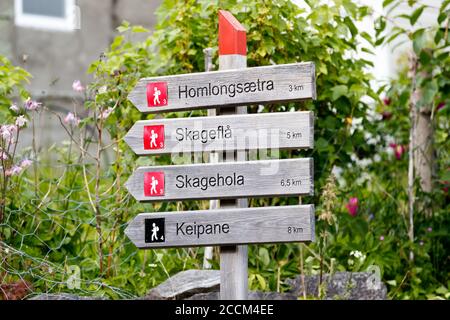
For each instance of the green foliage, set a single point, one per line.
(12, 80)
(424, 69)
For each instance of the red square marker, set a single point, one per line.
(153, 184)
(153, 137)
(157, 94)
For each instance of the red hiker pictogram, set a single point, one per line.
(157, 94)
(153, 184)
(154, 137)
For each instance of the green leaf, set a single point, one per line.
(419, 40)
(117, 42)
(441, 17)
(262, 281)
(380, 25)
(366, 36)
(322, 68)
(321, 145)
(379, 41)
(441, 290)
(415, 15)
(261, 51)
(387, 2)
(139, 29)
(339, 91)
(192, 52)
(264, 256)
(446, 176)
(394, 36)
(7, 233)
(444, 5)
(403, 16)
(392, 282)
(125, 26)
(393, 7)
(351, 26)
(367, 51)
(425, 57)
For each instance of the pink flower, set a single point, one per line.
(32, 105)
(77, 87)
(72, 119)
(398, 150)
(381, 238)
(21, 121)
(352, 206)
(445, 186)
(440, 106)
(14, 108)
(25, 163)
(7, 131)
(13, 171)
(3, 155)
(16, 170)
(429, 229)
(105, 113)
(386, 115)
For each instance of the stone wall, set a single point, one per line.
(205, 285)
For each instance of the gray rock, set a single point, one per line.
(342, 285)
(205, 285)
(185, 284)
(64, 296)
(252, 295)
(213, 295)
(258, 295)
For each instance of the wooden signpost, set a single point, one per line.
(222, 227)
(233, 258)
(223, 180)
(228, 131)
(282, 130)
(278, 83)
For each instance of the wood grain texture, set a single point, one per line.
(233, 259)
(185, 284)
(291, 82)
(248, 179)
(208, 252)
(280, 130)
(243, 225)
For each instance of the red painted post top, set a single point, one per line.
(232, 35)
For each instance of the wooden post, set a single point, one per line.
(233, 259)
(213, 158)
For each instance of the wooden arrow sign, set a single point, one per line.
(284, 130)
(223, 227)
(223, 180)
(277, 83)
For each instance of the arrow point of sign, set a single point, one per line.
(129, 231)
(128, 138)
(128, 185)
(133, 96)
